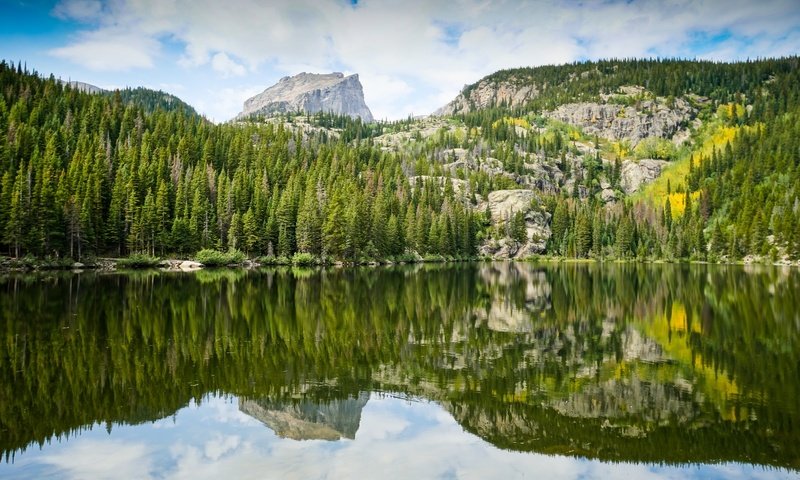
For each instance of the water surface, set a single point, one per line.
(469, 371)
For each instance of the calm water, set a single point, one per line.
(479, 371)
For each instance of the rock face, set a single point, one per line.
(311, 93)
(309, 420)
(503, 204)
(618, 122)
(636, 174)
(487, 93)
(505, 314)
(82, 87)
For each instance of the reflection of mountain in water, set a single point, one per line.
(664, 363)
(522, 295)
(308, 419)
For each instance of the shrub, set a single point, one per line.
(215, 258)
(268, 260)
(138, 260)
(303, 259)
(654, 147)
(236, 256)
(52, 263)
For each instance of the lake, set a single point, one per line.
(493, 370)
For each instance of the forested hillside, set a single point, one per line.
(639, 159)
(730, 190)
(89, 174)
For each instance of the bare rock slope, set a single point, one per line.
(618, 122)
(311, 93)
(487, 93)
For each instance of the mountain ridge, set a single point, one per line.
(658, 160)
(311, 93)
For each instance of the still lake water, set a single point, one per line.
(470, 371)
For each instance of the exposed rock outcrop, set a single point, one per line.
(311, 93)
(487, 93)
(635, 174)
(618, 122)
(503, 204)
(82, 86)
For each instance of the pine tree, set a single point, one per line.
(560, 223)
(583, 234)
(334, 228)
(519, 232)
(624, 237)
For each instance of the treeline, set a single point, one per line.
(85, 174)
(90, 174)
(152, 100)
(584, 81)
(741, 198)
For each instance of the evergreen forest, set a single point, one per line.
(132, 172)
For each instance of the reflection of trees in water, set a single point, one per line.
(580, 359)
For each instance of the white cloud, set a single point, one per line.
(110, 51)
(413, 54)
(81, 10)
(223, 64)
(219, 446)
(101, 459)
(170, 87)
(396, 439)
(222, 104)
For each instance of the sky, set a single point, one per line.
(412, 56)
(396, 439)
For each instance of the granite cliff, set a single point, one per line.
(311, 93)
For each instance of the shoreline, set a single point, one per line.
(105, 264)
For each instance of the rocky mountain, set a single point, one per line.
(309, 420)
(503, 204)
(311, 93)
(83, 86)
(652, 118)
(489, 92)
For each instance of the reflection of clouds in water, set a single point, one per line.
(226, 410)
(219, 446)
(381, 424)
(165, 423)
(396, 439)
(101, 459)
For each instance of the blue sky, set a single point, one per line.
(412, 56)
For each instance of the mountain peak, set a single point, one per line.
(311, 93)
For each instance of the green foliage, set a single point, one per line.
(136, 171)
(215, 258)
(518, 231)
(138, 260)
(301, 259)
(85, 175)
(584, 81)
(655, 147)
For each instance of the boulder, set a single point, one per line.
(635, 174)
(188, 265)
(503, 204)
